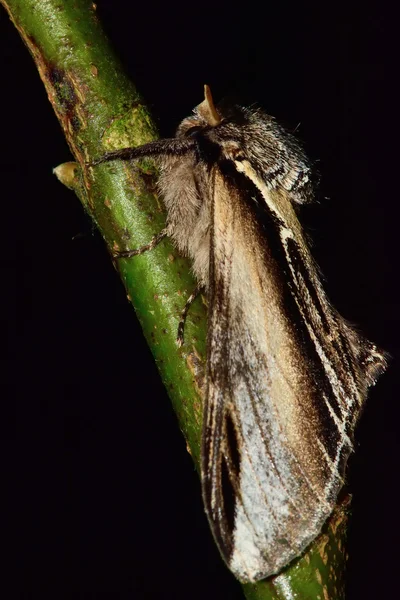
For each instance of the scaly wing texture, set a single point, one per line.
(286, 378)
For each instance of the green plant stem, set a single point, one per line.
(100, 110)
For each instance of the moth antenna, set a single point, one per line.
(166, 147)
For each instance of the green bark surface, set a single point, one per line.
(100, 110)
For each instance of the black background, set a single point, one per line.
(107, 500)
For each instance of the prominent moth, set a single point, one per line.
(286, 376)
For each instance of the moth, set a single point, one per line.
(286, 375)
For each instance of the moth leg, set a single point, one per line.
(179, 340)
(154, 242)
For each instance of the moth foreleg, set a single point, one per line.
(137, 251)
(181, 326)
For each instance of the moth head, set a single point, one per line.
(253, 141)
(210, 121)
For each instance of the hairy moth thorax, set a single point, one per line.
(286, 376)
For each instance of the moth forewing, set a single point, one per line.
(258, 380)
(286, 376)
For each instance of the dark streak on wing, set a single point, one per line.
(229, 494)
(232, 446)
